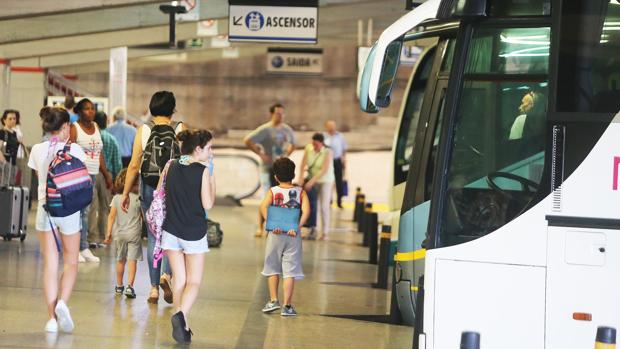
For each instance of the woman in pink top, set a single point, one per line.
(86, 133)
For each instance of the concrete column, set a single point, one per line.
(27, 94)
(118, 78)
(5, 78)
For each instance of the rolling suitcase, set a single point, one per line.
(10, 216)
(25, 208)
(14, 215)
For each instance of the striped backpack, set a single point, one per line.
(69, 186)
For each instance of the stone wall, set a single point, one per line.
(236, 94)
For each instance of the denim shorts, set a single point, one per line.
(67, 225)
(171, 242)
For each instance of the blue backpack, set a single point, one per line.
(69, 186)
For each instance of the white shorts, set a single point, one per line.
(66, 225)
(171, 242)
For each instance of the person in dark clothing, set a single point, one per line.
(190, 192)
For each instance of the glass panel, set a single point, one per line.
(432, 161)
(508, 8)
(510, 51)
(409, 122)
(497, 157)
(388, 73)
(589, 68)
(448, 56)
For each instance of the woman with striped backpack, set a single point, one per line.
(64, 187)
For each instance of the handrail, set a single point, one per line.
(238, 197)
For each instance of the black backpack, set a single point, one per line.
(161, 146)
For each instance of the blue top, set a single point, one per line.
(124, 135)
(73, 117)
(336, 143)
(274, 139)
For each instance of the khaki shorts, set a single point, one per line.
(129, 247)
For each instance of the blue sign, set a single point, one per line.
(254, 21)
(277, 62)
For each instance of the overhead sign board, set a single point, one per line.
(271, 22)
(295, 61)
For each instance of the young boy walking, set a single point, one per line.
(127, 227)
(283, 251)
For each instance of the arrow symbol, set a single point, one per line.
(237, 20)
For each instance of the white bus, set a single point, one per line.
(510, 224)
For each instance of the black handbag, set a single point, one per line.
(215, 235)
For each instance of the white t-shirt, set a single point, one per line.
(92, 146)
(42, 155)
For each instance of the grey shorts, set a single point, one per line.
(128, 247)
(283, 256)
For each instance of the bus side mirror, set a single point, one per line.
(388, 72)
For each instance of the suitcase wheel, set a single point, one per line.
(8, 238)
(22, 237)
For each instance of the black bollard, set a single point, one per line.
(384, 257)
(373, 238)
(605, 338)
(364, 224)
(359, 202)
(362, 216)
(470, 340)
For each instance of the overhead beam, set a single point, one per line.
(93, 21)
(13, 9)
(92, 42)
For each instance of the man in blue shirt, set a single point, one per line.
(270, 141)
(123, 133)
(336, 142)
(69, 104)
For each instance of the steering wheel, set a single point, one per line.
(526, 184)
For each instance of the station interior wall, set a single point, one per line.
(236, 93)
(223, 95)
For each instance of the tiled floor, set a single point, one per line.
(227, 313)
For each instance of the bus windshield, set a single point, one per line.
(497, 153)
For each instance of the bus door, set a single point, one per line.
(416, 203)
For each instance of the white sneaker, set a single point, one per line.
(51, 326)
(89, 256)
(64, 317)
(81, 258)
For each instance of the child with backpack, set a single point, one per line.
(127, 228)
(64, 189)
(283, 252)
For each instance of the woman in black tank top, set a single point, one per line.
(190, 192)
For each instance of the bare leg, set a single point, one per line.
(177, 263)
(50, 270)
(120, 271)
(71, 248)
(194, 267)
(289, 286)
(273, 281)
(131, 277)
